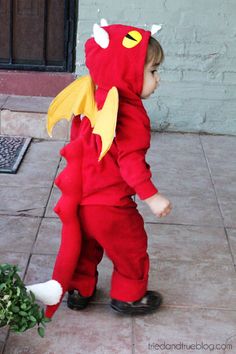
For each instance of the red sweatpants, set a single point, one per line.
(120, 233)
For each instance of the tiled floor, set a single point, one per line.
(192, 253)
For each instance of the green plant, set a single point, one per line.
(18, 309)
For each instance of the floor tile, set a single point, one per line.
(40, 268)
(226, 194)
(221, 155)
(178, 143)
(44, 150)
(3, 336)
(185, 326)
(41, 175)
(180, 154)
(49, 237)
(194, 209)
(94, 330)
(180, 173)
(202, 284)
(35, 169)
(194, 181)
(220, 151)
(26, 200)
(17, 233)
(187, 243)
(20, 259)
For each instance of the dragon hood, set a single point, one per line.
(121, 63)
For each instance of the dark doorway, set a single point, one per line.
(37, 34)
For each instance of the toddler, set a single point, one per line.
(106, 167)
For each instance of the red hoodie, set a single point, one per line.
(123, 171)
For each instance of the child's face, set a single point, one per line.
(150, 80)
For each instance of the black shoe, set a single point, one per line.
(75, 301)
(147, 304)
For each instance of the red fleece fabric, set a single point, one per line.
(123, 171)
(125, 245)
(111, 182)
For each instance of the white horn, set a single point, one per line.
(155, 29)
(103, 22)
(100, 36)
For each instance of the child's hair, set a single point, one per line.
(155, 52)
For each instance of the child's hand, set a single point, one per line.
(159, 205)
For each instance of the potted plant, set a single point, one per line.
(18, 308)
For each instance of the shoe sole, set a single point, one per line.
(82, 306)
(75, 307)
(138, 310)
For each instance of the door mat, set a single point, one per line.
(12, 151)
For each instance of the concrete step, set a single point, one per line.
(26, 116)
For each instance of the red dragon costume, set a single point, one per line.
(106, 166)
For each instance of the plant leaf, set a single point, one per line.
(41, 331)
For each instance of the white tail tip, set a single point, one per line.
(49, 292)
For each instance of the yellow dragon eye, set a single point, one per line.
(132, 39)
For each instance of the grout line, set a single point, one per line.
(5, 342)
(182, 224)
(230, 249)
(23, 215)
(6, 98)
(159, 259)
(132, 336)
(218, 203)
(28, 252)
(177, 132)
(146, 222)
(198, 307)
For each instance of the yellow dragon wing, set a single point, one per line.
(105, 121)
(78, 98)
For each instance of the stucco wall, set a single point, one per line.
(198, 77)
